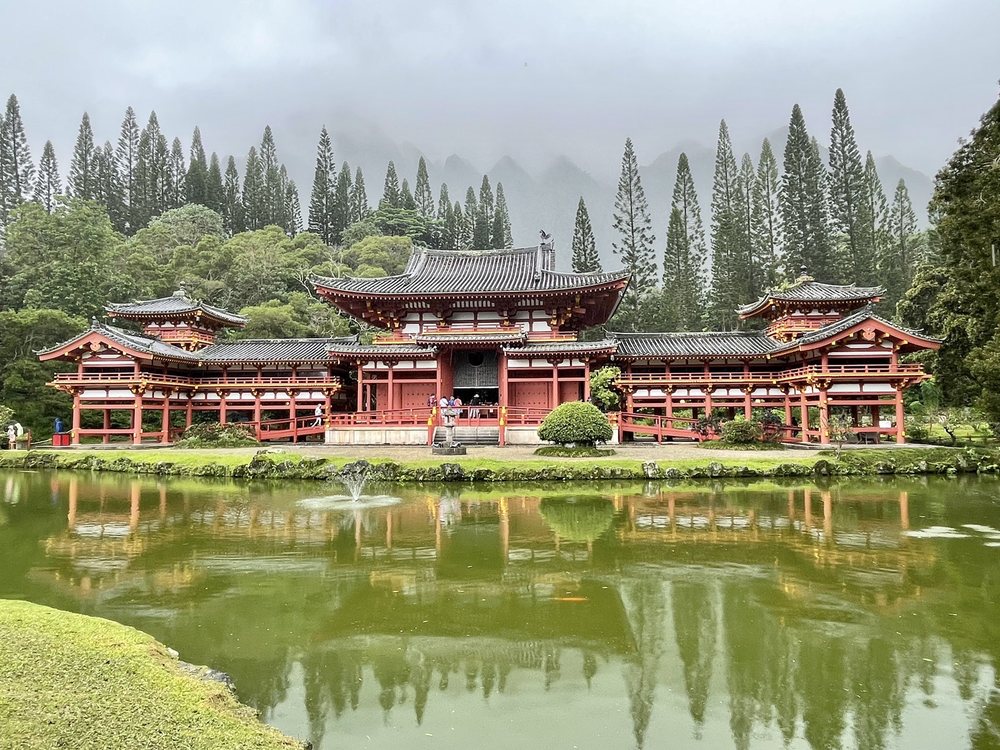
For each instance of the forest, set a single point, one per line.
(138, 217)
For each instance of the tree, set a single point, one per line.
(342, 202)
(484, 217)
(727, 268)
(214, 190)
(16, 168)
(232, 205)
(196, 183)
(685, 255)
(177, 176)
(766, 219)
(108, 188)
(48, 183)
(292, 210)
(752, 285)
(875, 213)
(82, 182)
(391, 196)
(899, 263)
(359, 198)
(500, 231)
(469, 214)
(126, 162)
(635, 237)
(406, 197)
(255, 213)
(422, 194)
(322, 199)
(603, 392)
(585, 258)
(802, 206)
(847, 204)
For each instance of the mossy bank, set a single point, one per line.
(72, 681)
(271, 464)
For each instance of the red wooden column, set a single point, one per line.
(804, 415)
(708, 400)
(900, 417)
(165, 423)
(824, 414)
(788, 408)
(75, 435)
(391, 386)
(137, 418)
(747, 403)
(292, 415)
(256, 408)
(106, 424)
(555, 385)
(668, 410)
(189, 411)
(586, 379)
(223, 414)
(361, 387)
(875, 420)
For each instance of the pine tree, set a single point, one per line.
(322, 198)
(585, 258)
(876, 213)
(47, 183)
(444, 203)
(177, 174)
(232, 205)
(82, 182)
(109, 190)
(293, 211)
(727, 267)
(126, 161)
(151, 172)
(196, 185)
(802, 204)
(847, 207)
(686, 254)
(766, 219)
(469, 214)
(342, 202)
(634, 245)
(406, 197)
(422, 194)
(484, 217)
(391, 197)
(486, 202)
(17, 170)
(752, 285)
(500, 232)
(899, 264)
(456, 229)
(360, 208)
(214, 190)
(254, 197)
(273, 191)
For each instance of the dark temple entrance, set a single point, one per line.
(476, 371)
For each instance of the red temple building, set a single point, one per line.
(499, 329)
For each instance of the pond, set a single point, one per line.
(860, 614)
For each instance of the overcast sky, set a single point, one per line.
(523, 77)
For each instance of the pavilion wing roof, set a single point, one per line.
(373, 351)
(693, 344)
(543, 348)
(176, 304)
(271, 350)
(461, 272)
(845, 324)
(807, 290)
(136, 342)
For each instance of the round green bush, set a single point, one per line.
(215, 435)
(575, 423)
(741, 432)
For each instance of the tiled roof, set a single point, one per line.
(842, 325)
(541, 348)
(460, 337)
(134, 341)
(271, 350)
(385, 350)
(177, 303)
(685, 344)
(807, 290)
(482, 271)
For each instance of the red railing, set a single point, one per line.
(126, 378)
(837, 371)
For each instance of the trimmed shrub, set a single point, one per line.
(575, 423)
(707, 426)
(741, 431)
(562, 451)
(215, 435)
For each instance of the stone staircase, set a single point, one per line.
(471, 435)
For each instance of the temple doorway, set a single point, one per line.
(476, 372)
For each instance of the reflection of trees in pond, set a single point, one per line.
(332, 679)
(577, 519)
(646, 606)
(878, 685)
(693, 605)
(821, 680)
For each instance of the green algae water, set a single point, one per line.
(853, 615)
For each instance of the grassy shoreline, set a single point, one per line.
(280, 464)
(69, 680)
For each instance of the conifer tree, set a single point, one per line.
(847, 207)
(293, 211)
(685, 256)
(391, 196)
(82, 182)
(456, 228)
(232, 204)
(899, 263)
(254, 197)
(213, 185)
(753, 272)
(406, 197)
(422, 194)
(196, 185)
(802, 206)
(360, 207)
(126, 161)
(17, 170)
(486, 202)
(634, 245)
(274, 185)
(444, 203)
(500, 232)
(585, 257)
(177, 176)
(727, 269)
(109, 188)
(766, 219)
(876, 212)
(48, 184)
(342, 202)
(151, 171)
(469, 214)
(483, 218)
(322, 198)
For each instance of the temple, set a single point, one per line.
(500, 330)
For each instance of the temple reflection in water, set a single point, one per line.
(713, 615)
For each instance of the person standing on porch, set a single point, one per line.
(318, 411)
(474, 404)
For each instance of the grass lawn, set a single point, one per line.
(72, 681)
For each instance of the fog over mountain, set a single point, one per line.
(540, 95)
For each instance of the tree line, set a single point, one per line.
(766, 225)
